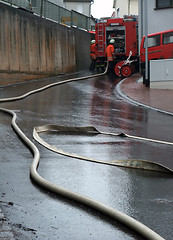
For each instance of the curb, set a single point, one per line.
(118, 89)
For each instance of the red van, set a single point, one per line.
(160, 46)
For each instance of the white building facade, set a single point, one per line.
(156, 16)
(125, 7)
(159, 15)
(81, 6)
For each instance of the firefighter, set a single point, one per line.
(92, 55)
(110, 52)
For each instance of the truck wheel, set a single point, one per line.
(118, 68)
(126, 70)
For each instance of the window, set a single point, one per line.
(153, 41)
(164, 3)
(168, 38)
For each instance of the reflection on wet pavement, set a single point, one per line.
(144, 195)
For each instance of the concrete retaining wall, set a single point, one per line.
(32, 45)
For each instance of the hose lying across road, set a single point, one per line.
(111, 212)
(133, 163)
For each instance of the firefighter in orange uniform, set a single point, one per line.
(110, 51)
(92, 55)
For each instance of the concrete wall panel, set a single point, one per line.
(82, 42)
(33, 45)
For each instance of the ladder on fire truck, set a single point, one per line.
(101, 40)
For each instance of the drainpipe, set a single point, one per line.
(89, 27)
(128, 7)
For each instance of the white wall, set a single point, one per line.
(161, 74)
(79, 7)
(158, 20)
(58, 2)
(134, 7)
(161, 70)
(124, 9)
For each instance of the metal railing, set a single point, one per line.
(47, 9)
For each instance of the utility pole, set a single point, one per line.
(128, 7)
(41, 8)
(147, 83)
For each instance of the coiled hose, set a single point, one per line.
(111, 212)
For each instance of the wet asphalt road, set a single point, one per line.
(34, 213)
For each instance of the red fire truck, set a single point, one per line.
(124, 32)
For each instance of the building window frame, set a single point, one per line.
(167, 5)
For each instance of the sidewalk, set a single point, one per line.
(160, 99)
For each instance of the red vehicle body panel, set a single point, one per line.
(160, 46)
(123, 31)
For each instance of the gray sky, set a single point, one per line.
(102, 8)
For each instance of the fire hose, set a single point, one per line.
(130, 222)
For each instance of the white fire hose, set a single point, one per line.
(130, 222)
